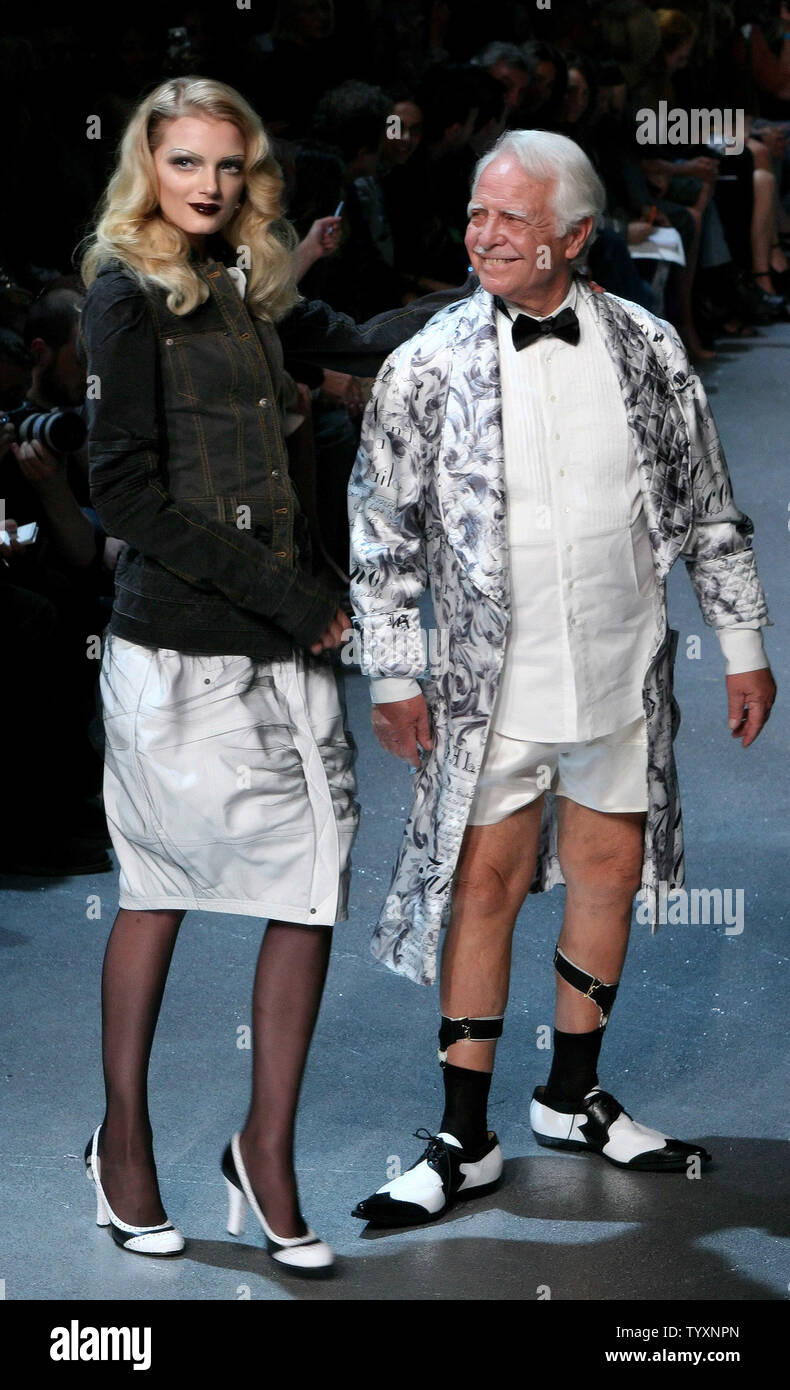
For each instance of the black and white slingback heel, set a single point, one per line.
(444, 1173)
(164, 1239)
(306, 1254)
(600, 1125)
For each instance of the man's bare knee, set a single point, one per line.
(605, 873)
(486, 889)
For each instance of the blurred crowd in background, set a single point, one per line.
(327, 79)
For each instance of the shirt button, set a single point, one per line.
(556, 436)
(243, 336)
(263, 400)
(281, 511)
(552, 398)
(168, 342)
(275, 472)
(566, 509)
(562, 472)
(569, 547)
(281, 554)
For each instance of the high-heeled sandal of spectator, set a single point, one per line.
(164, 1239)
(307, 1254)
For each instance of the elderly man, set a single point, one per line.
(543, 452)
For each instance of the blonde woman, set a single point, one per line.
(229, 780)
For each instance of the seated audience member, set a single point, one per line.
(491, 102)
(360, 278)
(448, 100)
(288, 69)
(506, 63)
(543, 101)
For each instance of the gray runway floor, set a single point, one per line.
(696, 1046)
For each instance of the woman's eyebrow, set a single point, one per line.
(192, 154)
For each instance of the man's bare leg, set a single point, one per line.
(496, 866)
(600, 856)
(495, 869)
(601, 859)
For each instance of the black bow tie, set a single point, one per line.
(564, 325)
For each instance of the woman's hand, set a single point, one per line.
(304, 403)
(333, 636)
(322, 239)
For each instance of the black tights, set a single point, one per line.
(289, 982)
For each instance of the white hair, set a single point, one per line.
(545, 156)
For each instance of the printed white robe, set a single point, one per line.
(427, 502)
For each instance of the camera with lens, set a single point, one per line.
(60, 431)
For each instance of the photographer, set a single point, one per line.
(49, 486)
(54, 830)
(57, 592)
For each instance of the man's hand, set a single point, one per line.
(638, 232)
(7, 435)
(750, 697)
(338, 388)
(13, 546)
(333, 636)
(37, 464)
(703, 167)
(401, 726)
(774, 138)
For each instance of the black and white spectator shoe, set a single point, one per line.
(164, 1239)
(307, 1254)
(444, 1173)
(602, 1126)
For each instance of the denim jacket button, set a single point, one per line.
(168, 342)
(275, 472)
(264, 400)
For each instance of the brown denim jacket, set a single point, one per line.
(188, 465)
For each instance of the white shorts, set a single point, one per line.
(606, 774)
(228, 783)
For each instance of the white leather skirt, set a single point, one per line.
(228, 783)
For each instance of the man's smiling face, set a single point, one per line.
(511, 238)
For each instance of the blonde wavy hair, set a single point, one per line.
(130, 226)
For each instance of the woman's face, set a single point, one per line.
(410, 117)
(199, 163)
(679, 56)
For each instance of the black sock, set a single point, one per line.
(465, 1101)
(574, 1067)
